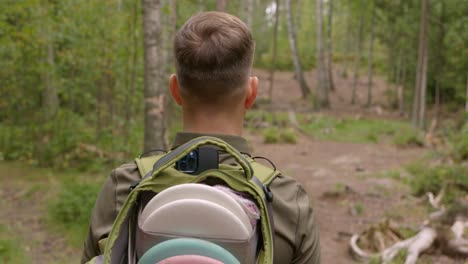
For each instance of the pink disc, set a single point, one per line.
(190, 259)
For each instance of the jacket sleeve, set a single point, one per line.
(102, 218)
(307, 249)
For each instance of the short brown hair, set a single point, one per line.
(213, 53)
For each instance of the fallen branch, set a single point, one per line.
(459, 244)
(423, 240)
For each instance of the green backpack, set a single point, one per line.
(159, 172)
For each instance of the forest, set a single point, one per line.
(367, 98)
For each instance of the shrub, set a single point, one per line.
(271, 136)
(10, 249)
(432, 179)
(70, 211)
(459, 142)
(288, 136)
(74, 203)
(409, 137)
(274, 135)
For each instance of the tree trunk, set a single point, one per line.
(331, 84)
(357, 58)
(297, 63)
(347, 40)
(371, 62)
(466, 104)
(398, 75)
(422, 109)
(249, 13)
(401, 93)
(274, 55)
(133, 62)
(50, 101)
(155, 130)
(322, 84)
(439, 67)
(221, 5)
(420, 88)
(172, 31)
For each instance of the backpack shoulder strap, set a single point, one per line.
(145, 164)
(264, 173)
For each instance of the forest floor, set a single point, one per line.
(354, 173)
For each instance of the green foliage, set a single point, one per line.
(459, 144)
(288, 136)
(433, 178)
(71, 210)
(409, 137)
(274, 135)
(11, 250)
(271, 136)
(352, 130)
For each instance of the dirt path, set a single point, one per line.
(322, 167)
(23, 200)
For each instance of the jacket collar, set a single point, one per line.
(237, 142)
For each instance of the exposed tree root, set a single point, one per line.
(436, 228)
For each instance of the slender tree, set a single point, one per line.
(401, 91)
(329, 67)
(50, 101)
(466, 104)
(155, 130)
(221, 5)
(439, 67)
(297, 63)
(419, 99)
(371, 62)
(357, 58)
(250, 7)
(274, 55)
(322, 82)
(347, 41)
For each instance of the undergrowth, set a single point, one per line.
(11, 250)
(70, 211)
(360, 130)
(427, 178)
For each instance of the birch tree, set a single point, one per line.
(322, 83)
(50, 101)
(419, 100)
(329, 67)
(274, 55)
(155, 130)
(305, 90)
(371, 62)
(357, 58)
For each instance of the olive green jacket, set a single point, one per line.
(296, 232)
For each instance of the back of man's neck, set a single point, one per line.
(213, 124)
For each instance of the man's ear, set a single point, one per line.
(175, 89)
(252, 90)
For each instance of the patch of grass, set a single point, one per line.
(271, 136)
(274, 135)
(288, 136)
(393, 174)
(11, 250)
(338, 190)
(352, 130)
(69, 213)
(358, 208)
(408, 137)
(433, 178)
(459, 144)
